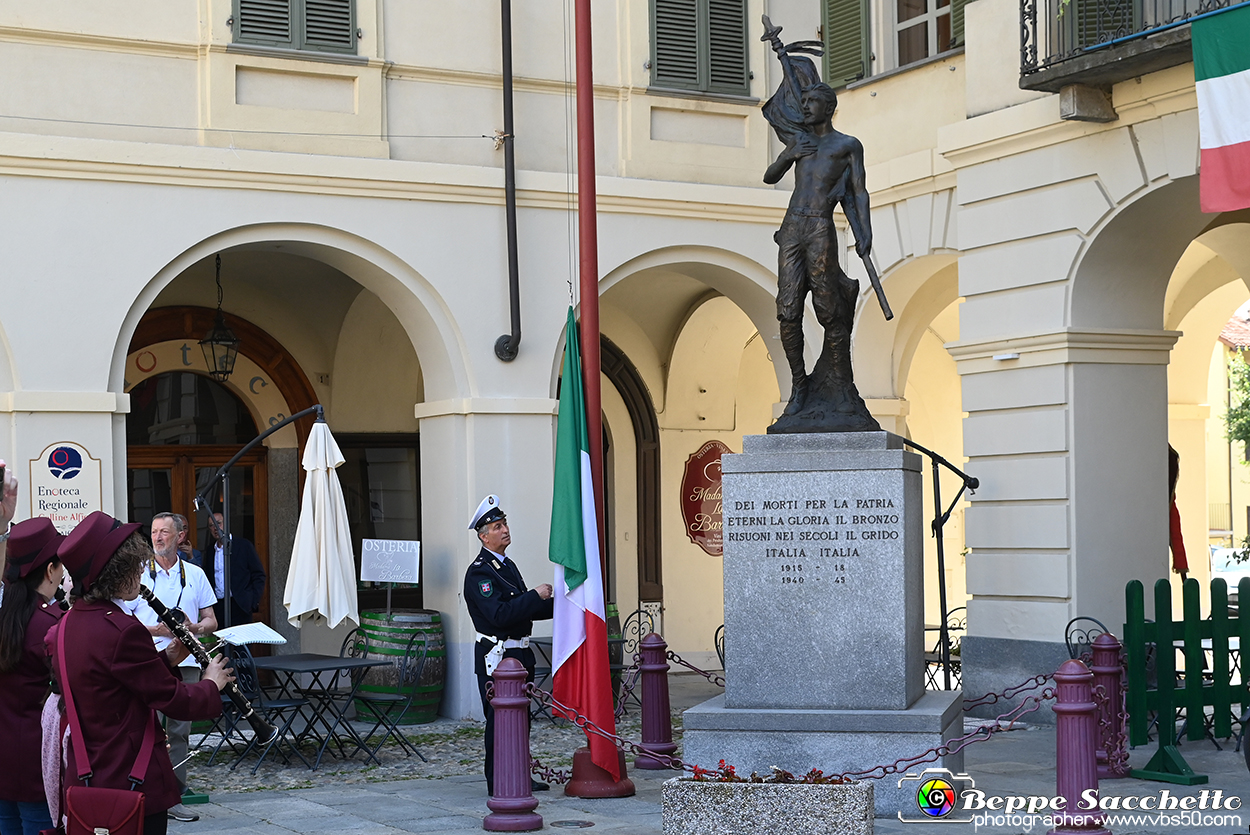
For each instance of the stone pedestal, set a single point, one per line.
(824, 613)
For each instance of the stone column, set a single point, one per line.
(470, 448)
(1068, 433)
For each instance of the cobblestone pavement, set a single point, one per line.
(453, 748)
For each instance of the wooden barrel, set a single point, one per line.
(388, 638)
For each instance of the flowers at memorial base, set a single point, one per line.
(725, 773)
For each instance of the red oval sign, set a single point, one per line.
(700, 497)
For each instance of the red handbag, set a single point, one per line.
(96, 811)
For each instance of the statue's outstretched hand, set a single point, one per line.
(864, 245)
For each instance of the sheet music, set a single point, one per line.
(249, 633)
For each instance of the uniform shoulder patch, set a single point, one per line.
(484, 588)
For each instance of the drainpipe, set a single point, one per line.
(506, 346)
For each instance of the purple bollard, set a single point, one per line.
(1076, 734)
(657, 720)
(1105, 665)
(512, 806)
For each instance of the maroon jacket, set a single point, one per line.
(117, 679)
(22, 693)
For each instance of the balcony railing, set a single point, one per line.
(1101, 42)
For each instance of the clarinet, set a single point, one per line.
(265, 732)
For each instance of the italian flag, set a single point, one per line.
(1221, 44)
(580, 643)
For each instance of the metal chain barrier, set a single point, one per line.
(590, 727)
(549, 774)
(1029, 705)
(719, 681)
(1010, 693)
(1113, 731)
(1002, 722)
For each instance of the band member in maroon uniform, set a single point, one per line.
(115, 674)
(30, 609)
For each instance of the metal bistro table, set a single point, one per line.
(329, 706)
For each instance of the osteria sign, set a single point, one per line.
(65, 484)
(701, 497)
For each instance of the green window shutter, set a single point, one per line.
(846, 41)
(329, 25)
(727, 47)
(957, 25)
(1097, 22)
(675, 43)
(265, 22)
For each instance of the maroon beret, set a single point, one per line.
(90, 545)
(32, 545)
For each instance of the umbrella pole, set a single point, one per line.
(389, 586)
(225, 546)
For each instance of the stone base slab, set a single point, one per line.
(697, 807)
(833, 741)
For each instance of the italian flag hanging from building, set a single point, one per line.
(580, 643)
(1221, 44)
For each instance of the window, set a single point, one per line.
(700, 45)
(921, 29)
(316, 25)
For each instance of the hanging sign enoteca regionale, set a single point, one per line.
(700, 497)
(65, 484)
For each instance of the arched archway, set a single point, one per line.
(417, 305)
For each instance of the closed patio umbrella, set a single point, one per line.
(322, 577)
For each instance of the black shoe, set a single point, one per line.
(536, 786)
(181, 814)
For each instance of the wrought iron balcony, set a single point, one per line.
(1097, 43)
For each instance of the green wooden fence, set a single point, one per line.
(1210, 685)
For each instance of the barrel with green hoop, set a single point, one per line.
(388, 637)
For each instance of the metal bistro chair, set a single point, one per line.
(638, 625)
(956, 625)
(1080, 634)
(719, 639)
(279, 712)
(388, 707)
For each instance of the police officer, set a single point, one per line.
(503, 613)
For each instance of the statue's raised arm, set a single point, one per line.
(784, 111)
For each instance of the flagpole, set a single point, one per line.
(588, 243)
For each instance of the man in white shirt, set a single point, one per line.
(182, 586)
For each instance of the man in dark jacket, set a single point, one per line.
(247, 576)
(503, 613)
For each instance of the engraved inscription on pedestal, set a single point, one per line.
(823, 574)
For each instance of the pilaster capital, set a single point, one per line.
(1111, 346)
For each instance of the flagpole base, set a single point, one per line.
(589, 780)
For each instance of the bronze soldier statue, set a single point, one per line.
(828, 170)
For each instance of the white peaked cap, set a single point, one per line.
(487, 511)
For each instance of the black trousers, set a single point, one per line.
(526, 657)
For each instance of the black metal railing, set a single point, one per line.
(1057, 32)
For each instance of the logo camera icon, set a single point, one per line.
(935, 792)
